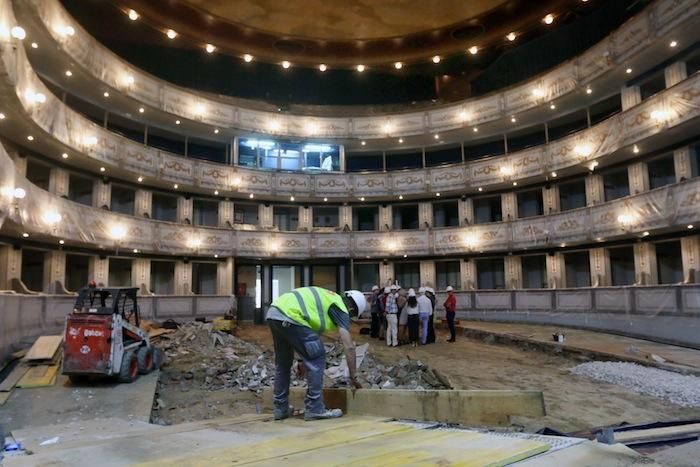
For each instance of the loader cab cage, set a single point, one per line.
(109, 300)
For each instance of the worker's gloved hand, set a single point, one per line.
(354, 383)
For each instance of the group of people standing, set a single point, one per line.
(405, 317)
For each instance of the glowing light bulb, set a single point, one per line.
(360, 68)
(511, 36)
(133, 16)
(209, 48)
(286, 64)
(473, 50)
(436, 59)
(549, 19)
(322, 67)
(18, 32)
(398, 65)
(171, 34)
(247, 58)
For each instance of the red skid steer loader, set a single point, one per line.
(103, 338)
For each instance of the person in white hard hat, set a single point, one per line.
(450, 310)
(297, 319)
(425, 310)
(392, 317)
(412, 311)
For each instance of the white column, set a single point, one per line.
(675, 73)
(550, 198)
(345, 217)
(467, 272)
(631, 96)
(58, 181)
(555, 271)
(20, 163)
(509, 206)
(141, 274)
(513, 271)
(600, 267)
(306, 219)
(385, 217)
(265, 216)
(690, 251)
(54, 271)
(427, 273)
(645, 263)
(98, 270)
(185, 208)
(183, 278)
(386, 273)
(681, 162)
(594, 189)
(425, 215)
(225, 214)
(143, 203)
(10, 265)
(638, 178)
(466, 212)
(102, 194)
(224, 277)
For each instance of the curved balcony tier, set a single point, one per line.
(49, 218)
(668, 116)
(645, 34)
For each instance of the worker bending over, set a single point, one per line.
(297, 319)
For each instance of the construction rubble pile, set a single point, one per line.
(216, 360)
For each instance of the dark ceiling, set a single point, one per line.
(183, 61)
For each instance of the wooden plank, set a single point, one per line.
(11, 380)
(44, 348)
(655, 433)
(39, 376)
(478, 407)
(336, 432)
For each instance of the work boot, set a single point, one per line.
(330, 413)
(280, 414)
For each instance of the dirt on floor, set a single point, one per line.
(572, 402)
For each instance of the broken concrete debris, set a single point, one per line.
(218, 360)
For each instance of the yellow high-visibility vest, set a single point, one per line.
(308, 306)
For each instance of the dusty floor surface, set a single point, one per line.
(572, 402)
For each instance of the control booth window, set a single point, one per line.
(288, 155)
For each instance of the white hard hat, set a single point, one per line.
(394, 287)
(359, 299)
(449, 288)
(411, 293)
(430, 289)
(387, 290)
(375, 287)
(421, 290)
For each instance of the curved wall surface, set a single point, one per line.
(583, 279)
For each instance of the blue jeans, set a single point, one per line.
(289, 338)
(424, 318)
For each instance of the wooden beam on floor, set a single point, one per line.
(472, 408)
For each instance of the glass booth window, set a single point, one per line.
(288, 155)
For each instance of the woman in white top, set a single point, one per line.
(412, 315)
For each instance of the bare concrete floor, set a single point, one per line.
(64, 402)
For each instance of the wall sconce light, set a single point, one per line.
(51, 217)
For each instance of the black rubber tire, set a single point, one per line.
(129, 369)
(158, 358)
(145, 359)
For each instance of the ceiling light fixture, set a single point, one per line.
(216, 131)
(480, 189)
(554, 175)
(35, 45)
(247, 58)
(363, 143)
(628, 70)
(30, 138)
(106, 94)
(209, 48)
(400, 140)
(436, 59)
(437, 136)
(400, 196)
(286, 64)
(133, 16)
(673, 43)
(513, 119)
(25, 235)
(291, 198)
(61, 242)
(473, 50)
(216, 192)
(251, 196)
(325, 200)
(176, 186)
(549, 19)
(690, 226)
(360, 68)
(552, 106)
(64, 155)
(177, 122)
(635, 149)
(589, 90)
(437, 194)
(171, 34)
(140, 179)
(511, 36)
(102, 169)
(2, 116)
(69, 73)
(476, 130)
(322, 67)
(398, 65)
(18, 32)
(141, 110)
(362, 199)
